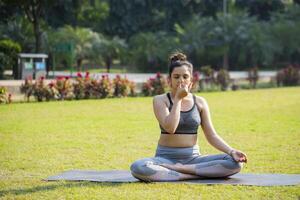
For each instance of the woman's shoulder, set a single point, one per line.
(160, 99)
(200, 101)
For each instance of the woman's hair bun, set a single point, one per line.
(177, 56)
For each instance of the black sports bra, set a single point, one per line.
(189, 120)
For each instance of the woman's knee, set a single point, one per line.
(141, 167)
(233, 165)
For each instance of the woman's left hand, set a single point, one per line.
(238, 156)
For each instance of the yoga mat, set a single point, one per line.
(122, 176)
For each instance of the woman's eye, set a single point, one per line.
(186, 77)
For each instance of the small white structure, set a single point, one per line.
(31, 65)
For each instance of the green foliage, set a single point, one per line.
(8, 55)
(262, 9)
(283, 32)
(89, 47)
(4, 96)
(108, 49)
(93, 15)
(149, 52)
(19, 29)
(143, 33)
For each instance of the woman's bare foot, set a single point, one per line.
(178, 167)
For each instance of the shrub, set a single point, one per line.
(132, 87)
(122, 87)
(223, 79)
(4, 96)
(155, 86)
(208, 81)
(27, 88)
(253, 76)
(78, 87)
(102, 88)
(51, 92)
(289, 76)
(39, 89)
(64, 87)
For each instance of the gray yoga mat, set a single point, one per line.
(122, 176)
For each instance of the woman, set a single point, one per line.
(179, 114)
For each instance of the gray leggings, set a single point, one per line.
(150, 169)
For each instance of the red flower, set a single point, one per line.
(158, 75)
(79, 75)
(67, 77)
(87, 74)
(51, 84)
(42, 78)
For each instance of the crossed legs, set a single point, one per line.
(162, 169)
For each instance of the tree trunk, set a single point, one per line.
(79, 62)
(225, 60)
(33, 10)
(108, 62)
(37, 34)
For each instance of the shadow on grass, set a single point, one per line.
(62, 184)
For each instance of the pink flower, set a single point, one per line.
(79, 75)
(59, 77)
(87, 74)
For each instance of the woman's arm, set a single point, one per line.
(211, 135)
(168, 120)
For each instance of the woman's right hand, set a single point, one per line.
(182, 91)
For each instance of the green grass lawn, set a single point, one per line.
(42, 139)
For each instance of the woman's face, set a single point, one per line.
(180, 75)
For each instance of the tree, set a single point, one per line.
(108, 49)
(8, 56)
(20, 30)
(80, 38)
(149, 51)
(33, 10)
(260, 8)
